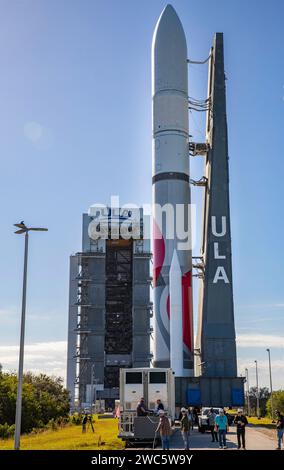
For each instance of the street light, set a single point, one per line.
(257, 390)
(271, 390)
(22, 229)
(248, 400)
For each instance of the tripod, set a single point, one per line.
(90, 424)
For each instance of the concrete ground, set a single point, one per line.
(255, 440)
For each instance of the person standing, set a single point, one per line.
(279, 428)
(84, 423)
(241, 422)
(165, 430)
(221, 423)
(195, 415)
(185, 428)
(211, 421)
(191, 418)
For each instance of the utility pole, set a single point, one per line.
(248, 397)
(257, 390)
(271, 389)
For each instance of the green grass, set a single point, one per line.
(71, 438)
(263, 422)
(232, 412)
(253, 420)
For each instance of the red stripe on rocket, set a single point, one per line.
(180, 312)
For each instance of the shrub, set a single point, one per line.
(6, 430)
(77, 419)
(44, 399)
(278, 402)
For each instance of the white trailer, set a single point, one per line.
(151, 384)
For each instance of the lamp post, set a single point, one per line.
(22, 229)
(271, 390)
(248, 398)
(257, 390)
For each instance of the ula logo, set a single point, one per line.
(220, 274)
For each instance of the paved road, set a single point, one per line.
(255, 440)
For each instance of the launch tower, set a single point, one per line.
(109, 305)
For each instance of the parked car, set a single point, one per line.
(203, 421)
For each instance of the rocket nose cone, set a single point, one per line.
(169, 52)
(175, 265)
(167, 11)
(168, 15)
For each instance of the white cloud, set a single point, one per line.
(272, 305)
(255, 320)
(50, 358)
(46, 357)
(277, 367)
(259, 340)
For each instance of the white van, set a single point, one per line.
(203, 421)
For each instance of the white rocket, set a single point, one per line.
(173, 323)
(176, 326)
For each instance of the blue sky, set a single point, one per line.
(76, 128)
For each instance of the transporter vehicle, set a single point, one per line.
(152, 384)
(203, 422)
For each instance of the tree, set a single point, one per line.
(278, 402)
(44, 398)
(264, 395)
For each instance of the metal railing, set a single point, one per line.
(126, 422)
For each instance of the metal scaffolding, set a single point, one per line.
(109, 312)
(118, 334)
(84, 305)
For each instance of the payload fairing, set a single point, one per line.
(171, 198)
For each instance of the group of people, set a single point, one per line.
(164, 427)
(218, 425)
(187, 420)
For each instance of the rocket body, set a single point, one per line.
(171, 191)
(176, 326)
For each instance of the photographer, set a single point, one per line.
(84, 423)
